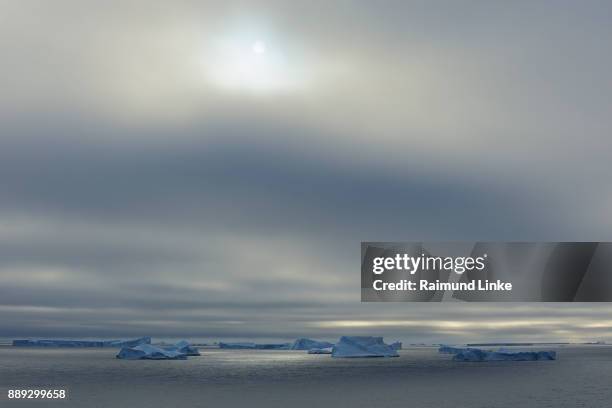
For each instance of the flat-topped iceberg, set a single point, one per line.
(396, 345)
(82, 343)
(362, 346)
(307, 344)
(475, 354)
(130, 343)
(251, 346)
(327, 350)
(444, 349)
(149, 352)
(255, 346)
(483, 355)
(183, 347)
(273, 346)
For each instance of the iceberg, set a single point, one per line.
(362, 346)
(255, 346)
(327, 350)
(82, 343)
(397, 345)
(475, 354)
(307, 344)
(280, 346)
(149, 352)
(183, 347)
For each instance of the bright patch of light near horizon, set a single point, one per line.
(240, 64)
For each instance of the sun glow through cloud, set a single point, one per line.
(249, 64)
(252, 60)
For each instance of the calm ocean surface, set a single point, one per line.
(581, 377)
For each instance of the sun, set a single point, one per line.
(259, 47)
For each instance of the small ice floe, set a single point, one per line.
(255, 346)
(149, 352)
(327, 350)
(362, 346)
(308, 344)
(82, 343)
(475, 354)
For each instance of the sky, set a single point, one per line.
(209, 169)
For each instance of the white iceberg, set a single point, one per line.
(474, 354)
(149, 352)
(183, 347)
(396, 345)
(82, 343)
(255, 346)
(326, 350)
(307, 344)
(362, 346)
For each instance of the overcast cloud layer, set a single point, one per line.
(145, 191)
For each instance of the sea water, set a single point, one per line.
(420, 377)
